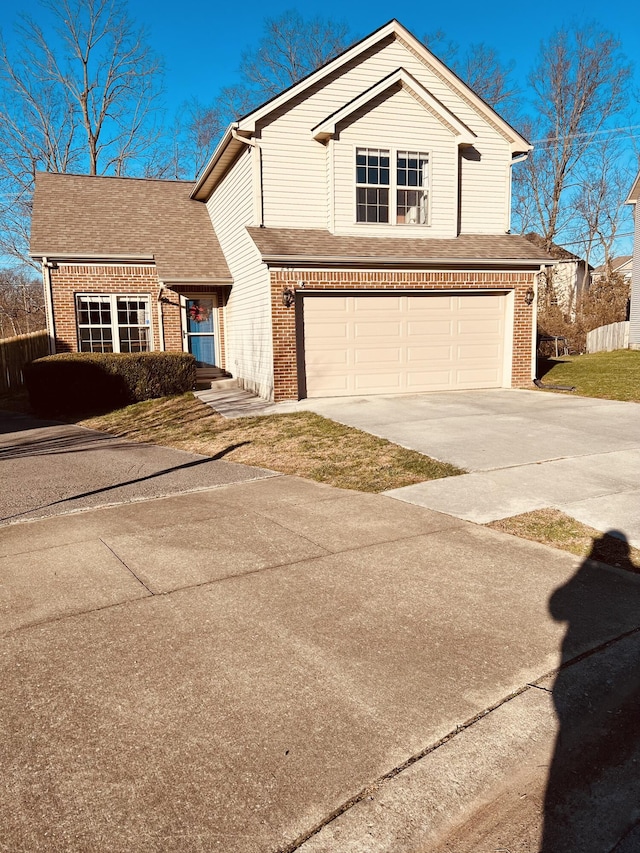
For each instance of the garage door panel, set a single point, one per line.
(486, 352)
(339, 358)
(379, 331)
(479, 328)
(437, 303)
(428, 328)
(379, 355)
(425, 355)
(388, 382)
(377, 304)
(368, 344)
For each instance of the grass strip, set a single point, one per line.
(607, 375)
(300, 443)
(555, 528)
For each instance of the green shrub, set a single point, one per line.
(74, 383)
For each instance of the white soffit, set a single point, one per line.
(327, 128)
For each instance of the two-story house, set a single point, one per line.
(350, 236)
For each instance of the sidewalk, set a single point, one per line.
(269, 665)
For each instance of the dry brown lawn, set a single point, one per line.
(552, 527)
(301, 443)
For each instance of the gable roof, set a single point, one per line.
(616, 264)
(231, 143)
(400, 77)
(301, 246)
(102, 218)
(558, 253)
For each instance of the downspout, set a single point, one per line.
(537, 382)
(520, 158)
(258, 202)
(160, 318)
(47, 266)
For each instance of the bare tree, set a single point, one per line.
(21, 303)
(291, 47)
(598, 210)
(80, 94)
(579, 84)
(481, 69)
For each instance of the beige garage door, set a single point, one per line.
(402, 343)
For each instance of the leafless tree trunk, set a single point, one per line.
(291, 48)
(580, 83)
(481, 69)
(80, 94)
(21, 303)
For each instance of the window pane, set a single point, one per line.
(372, 171)
(133, 339)
(96, 340)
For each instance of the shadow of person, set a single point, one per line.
(593, 792)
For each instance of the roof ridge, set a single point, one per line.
(118, 177)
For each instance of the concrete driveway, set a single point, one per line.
(524, 450)
(267, 665)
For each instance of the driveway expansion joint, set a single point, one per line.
(128, 568)
(370, 789)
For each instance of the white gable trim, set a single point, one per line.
(327, 128)
(391, 30)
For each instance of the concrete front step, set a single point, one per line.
(221, 384)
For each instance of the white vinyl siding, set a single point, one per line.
(248, 337)
(295, 165)
(417, 130)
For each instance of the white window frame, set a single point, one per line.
(393, 186)
(111, 299)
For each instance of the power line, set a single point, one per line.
(588, 134)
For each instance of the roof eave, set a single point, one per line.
(91, 258)
(372, 261)
(634, 193)
(217, 165)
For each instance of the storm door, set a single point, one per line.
(199, 329)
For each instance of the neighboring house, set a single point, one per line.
(350, 236)
(621, 265)
(569, 277)
(634, 307)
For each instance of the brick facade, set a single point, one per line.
(284, 319)
(69, 279)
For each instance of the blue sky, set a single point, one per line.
(202, 42)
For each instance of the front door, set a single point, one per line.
(199, 329)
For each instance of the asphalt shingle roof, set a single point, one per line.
(82, 215)
(318, 245)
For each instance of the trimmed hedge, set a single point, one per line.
(74, 383)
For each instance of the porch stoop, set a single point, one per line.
(215, 379)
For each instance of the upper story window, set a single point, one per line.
(372, 185)
(412, 199)
(399, 195)
(113, 323)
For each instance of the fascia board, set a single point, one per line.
(249, 122)
(517, 142)
(91, 259)
(327, 128)
(197, 192)
(634, 193)
(400, 260)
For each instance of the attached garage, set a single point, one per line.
(390, 343)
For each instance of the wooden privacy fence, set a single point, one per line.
(608, 338)
(15, 353)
